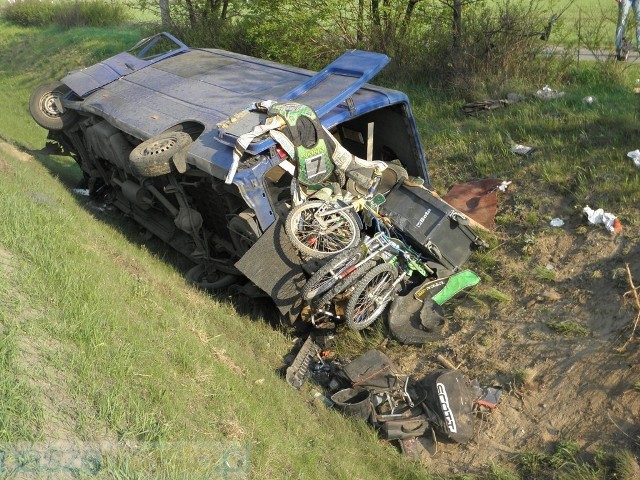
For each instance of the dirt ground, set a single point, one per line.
(559, 348)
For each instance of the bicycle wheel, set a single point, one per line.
(320, 235)
(345, 283)
(331, 273)
(367, 301)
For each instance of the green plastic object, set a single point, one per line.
(455, 285)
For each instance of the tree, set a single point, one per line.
(457, 7)
(165, 14)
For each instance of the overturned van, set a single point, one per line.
(154, 129)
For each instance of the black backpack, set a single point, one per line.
(373, 371)
(449, 404)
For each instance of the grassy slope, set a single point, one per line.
(99, 340)
(115, 304)
(581, 147)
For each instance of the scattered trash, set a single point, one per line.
(635, 156)
(549, 266)
(503, 186)
(81, 191)
(485, 396)
(547, 93)
(588, 100)
(477, 199)
(439, 405)
(320, 396)
(556, 222)
(636, 89)
(522, 149)
(600, 217)
(472, 108)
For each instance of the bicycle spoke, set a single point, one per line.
(318, 234)
(330, 239)
(371, 296)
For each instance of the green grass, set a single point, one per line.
(142, 358)
(568, 461)
(543, 274)
(576, 142)
(593, 20)
(30, 56)
(568, 328)
(132, 355)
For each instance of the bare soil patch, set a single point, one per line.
(555, 349)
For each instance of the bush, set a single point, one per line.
(499, 45)
(90, 13)
(78, 13)
(29, 13)
(502, 43)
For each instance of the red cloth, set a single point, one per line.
(476, 199)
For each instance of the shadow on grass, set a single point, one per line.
(70, 175)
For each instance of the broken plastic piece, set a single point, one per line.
(456, 284)
(556, 222)
(522, 149)
(503, 186)
(485, 396)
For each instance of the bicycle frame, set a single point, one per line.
(318, 216)
(383, 244)
(411, 266)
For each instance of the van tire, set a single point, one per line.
(152, 157)
(44, 110)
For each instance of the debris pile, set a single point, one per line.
(416, 411)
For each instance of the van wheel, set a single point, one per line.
(43, 105)
(152, 157)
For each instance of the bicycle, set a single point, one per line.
(339, 273)
(375, 290)
(321, 228)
